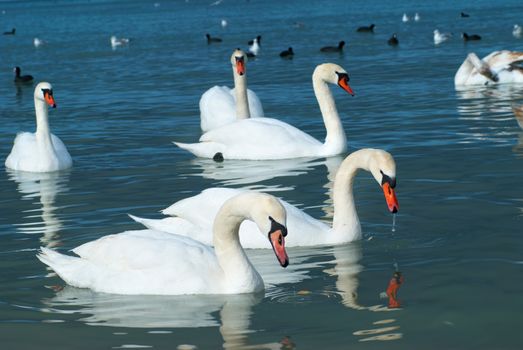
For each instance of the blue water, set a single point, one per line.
(459, 158)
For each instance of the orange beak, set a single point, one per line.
(390, 197)
(49, 99)
(278, 245)
(344, 84)
(240, 65)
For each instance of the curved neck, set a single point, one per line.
(240, 90)
(43, 133)
(345, 220)
(335, 138)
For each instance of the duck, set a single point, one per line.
(338, 48)
(440, 37)
(364, 29)
(11, 32)
(40, 151)
(220, 105)
(517, 31)
(193, 216)
(405, 18)
(393, 40)
(115, 42)
(148, 262)
(211, 40)
(289, 53)
(267, 138)
(19, 78)
(254, 47)
(499, 67)
(464, 15)
(472, 37)
(518, 113)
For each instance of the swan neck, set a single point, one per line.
(240, 90)
(335, 137)
(43, 133)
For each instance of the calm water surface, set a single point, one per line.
(459, 157)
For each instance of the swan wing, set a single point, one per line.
(217, 108)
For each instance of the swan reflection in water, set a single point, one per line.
(44, 187)
(231, 313)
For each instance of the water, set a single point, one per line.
(459, 157)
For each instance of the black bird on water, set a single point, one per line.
(471, 37)
(338, 48)
(289, 53)
(11, 32)
(212, 40)
(393, 41)
(464, 15)
(21, 78)
(369, 29)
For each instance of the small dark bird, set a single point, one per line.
(369, 29)
(393, 41)
(472, 37)
(21, 78)
(212, 40)
(464, 15)
(11, 32)
(338, 48)
(289, 53)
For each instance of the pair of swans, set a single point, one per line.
(40, 151)
(193, 217)
(155, 262)
(266, 138)
(499, 67)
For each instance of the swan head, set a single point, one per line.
(270, 216)
(44, 92)
(333, 74)
(383, 169)
(238, 60)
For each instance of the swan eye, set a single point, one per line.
(343, 76)
(47, 92)
(385, 178)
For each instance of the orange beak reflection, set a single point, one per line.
(278, 245)
(49, 99)
(390, 197)
(344, 84)
(240, 65)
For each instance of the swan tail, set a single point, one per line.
(201, 149)
(71, 269)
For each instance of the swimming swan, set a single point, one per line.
(154, 262)
(193, 216)
(499, 67)
(267, 138)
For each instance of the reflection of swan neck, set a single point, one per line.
(345, 220)
(43, 133)
(240, 90)
(335, 138)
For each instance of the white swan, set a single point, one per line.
(440, 37)
(154, 262)
(267, 138)
(220, 105)
(499, 67)
(193, 216)
(40, 151)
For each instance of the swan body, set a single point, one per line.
(267, 138)
(40, 151)
(499, 67)
(193, 216)
(154, 262)
(440, 37)
(220, 105)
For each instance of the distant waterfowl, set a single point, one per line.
(267, 138)
(19, 78)
(517, 31)
(254, 47)
(464, 15)
(40, 151)
(211, 40)
(338, 48)
(289, 53)
(499, 67)
(472, 37)
(223, 23)
(115, 42)
(364, 29)
(405, 18)
(417, 17)
(193, 216)
(38, 42)
(220, 105)
(159, 263)
(393, 40)
(518, 113)
(11, 32)
(440, 37)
